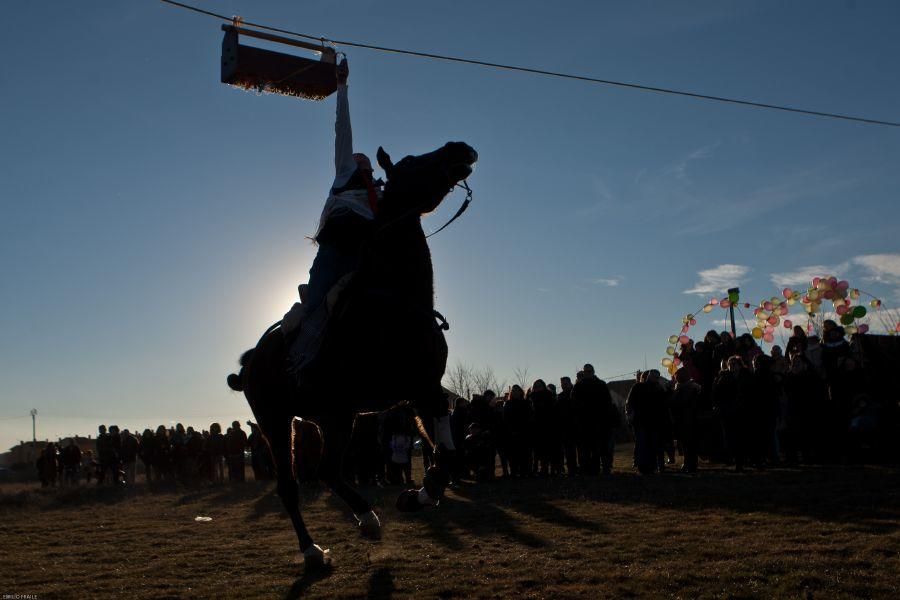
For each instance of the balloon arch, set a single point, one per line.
(773, 315)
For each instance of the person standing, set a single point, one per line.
(235, 444)
(130, 448)
(683, 407)
(517, 424)
(567, 424)
(594, 407)
(544, 432)
(731, 393)
(105, 456)
(217, 452)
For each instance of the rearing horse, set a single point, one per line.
(382, 345)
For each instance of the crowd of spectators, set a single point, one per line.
(729, 403)
(167, 454)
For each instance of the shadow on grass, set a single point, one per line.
(867, 497)
(304, 582)
(480, 516)
(381, 584)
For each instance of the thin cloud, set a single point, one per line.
(680, 168)
(881, 268)
(749, 206)
(607, 281)
(804, 275)
(719, 279)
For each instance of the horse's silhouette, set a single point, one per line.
(382, 346)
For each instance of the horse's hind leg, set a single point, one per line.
(336, 432)
(280, 438)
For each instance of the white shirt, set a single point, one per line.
(344, 166)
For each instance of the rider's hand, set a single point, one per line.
(342, 71)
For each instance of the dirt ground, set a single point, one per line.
(813, 532)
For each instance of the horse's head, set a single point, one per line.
(417, 184)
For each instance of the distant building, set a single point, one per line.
(26, 453)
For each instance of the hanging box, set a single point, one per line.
(263, 70)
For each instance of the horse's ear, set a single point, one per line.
(384, 160)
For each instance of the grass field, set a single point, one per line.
(816, 532)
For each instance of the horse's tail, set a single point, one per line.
(236, 380)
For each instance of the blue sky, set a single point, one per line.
(154, 219)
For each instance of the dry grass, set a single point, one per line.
(817, 532)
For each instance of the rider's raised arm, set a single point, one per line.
(344, 165)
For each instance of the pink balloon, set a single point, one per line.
(683, 340)
(713, 301)
(788, 324)
(787, 292)
(863, 328)
(783, 309)
(829, 294)
(767, 305)
(676, 361)
(769, 329)
(815, 282)
(756, 311)
(843, 285)
(693, 322)
(843, 308)
(685, 329)
(724, 303)
(773, 320)
(769, 338)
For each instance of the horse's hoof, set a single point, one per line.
(369, 526)
(408, 501)
(316, 558)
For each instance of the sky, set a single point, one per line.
(155, 220)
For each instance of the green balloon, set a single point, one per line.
(859, 311)
(847, 318)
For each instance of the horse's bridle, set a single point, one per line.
(464, 185)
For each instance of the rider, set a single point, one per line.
(347, 216)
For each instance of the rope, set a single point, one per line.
(610, 82)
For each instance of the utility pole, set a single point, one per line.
(734, 295)
(33, 427)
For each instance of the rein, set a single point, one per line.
(464, 185)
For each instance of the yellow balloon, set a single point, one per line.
(670, 351)
(672, 368)
(757, 333)
(673, 339)
(792, 301)
(667, 362)
(708, 308)
(854, 293)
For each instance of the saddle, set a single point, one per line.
(305, 341)
(309, 334)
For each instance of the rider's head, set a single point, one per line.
(362, 162)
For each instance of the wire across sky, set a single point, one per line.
(609, 82)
